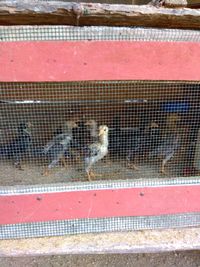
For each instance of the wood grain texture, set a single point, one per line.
(85, 14)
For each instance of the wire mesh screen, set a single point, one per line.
(117, 134)
(50, 131)
(93, 33)
(75, 131)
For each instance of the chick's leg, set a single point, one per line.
(133, 166)
(18, 166)
(130, 165)
(63, 161)
(17, 162)
(162, 169)
(90, 175)
(164, 162)
(46, 172)
(50, 166)
(89, 172)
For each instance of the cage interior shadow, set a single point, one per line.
(153, 129)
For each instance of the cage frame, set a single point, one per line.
(147, 192)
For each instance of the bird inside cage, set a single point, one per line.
(141, 142)
(172, 141)
(96, 151)
(16, 149)
(56, 149)
(166, 150)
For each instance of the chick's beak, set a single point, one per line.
(101, 132)
(75, 125)
(29, 125)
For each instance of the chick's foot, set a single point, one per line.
(133, 166)
(45, 172)
(90, 175)
(18, 166)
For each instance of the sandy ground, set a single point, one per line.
(173, 259)
(106, 170)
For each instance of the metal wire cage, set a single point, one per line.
(152, 123)
(149, 122)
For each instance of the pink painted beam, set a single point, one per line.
(98, 60)
(99, 204)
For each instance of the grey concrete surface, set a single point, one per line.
(172, 259)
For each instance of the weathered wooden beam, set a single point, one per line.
(85, 14)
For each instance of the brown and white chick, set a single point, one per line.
(96, 151)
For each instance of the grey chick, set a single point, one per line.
(17, 148)
(166, 150)
(96, 151)
(55, 149)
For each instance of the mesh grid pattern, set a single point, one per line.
(149, 122)
(57, 228)
(71, 33)
(96, 185)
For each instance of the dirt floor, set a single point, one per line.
(173, 259)
(106, 170)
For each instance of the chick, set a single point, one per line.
(96, 151)
(55, 149)
(141, 142)
(93, 130)
(86, 133)
(166, 149)
(79, 135)
(16, 149)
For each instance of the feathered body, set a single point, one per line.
(56, 149)
(96, 151)
(140, 142)
(16, 149)
(167, 148)
(80, 134)
(132, 142)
